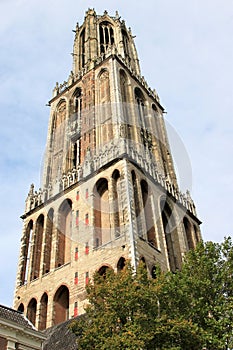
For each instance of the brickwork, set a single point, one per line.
(110, 191)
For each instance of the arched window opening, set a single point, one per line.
(171, 236)
(43, 312)
(104, 106)
(124, 85)
(37, 247)
(73, 154)
(161, 142)
(141, 112)
(21, 308)
(60, 113)
(48, 241)
(126, 127)
(76, 105)
(115, 193)
(104, 111)
(135, 191)
(58, 140)
(153, 272)
(121, 264)
(126, 45)
(102, 212)
(188, 232)
(140, 101)
(26, 252)
(143, 262)
(31, 311)
(136, 203)
(196, 233)
(64, 233)
(61, 305)
(103, 270)
(148, 213)
(106, 37)
(155, 110)
(82, 49)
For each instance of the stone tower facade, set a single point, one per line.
(109, 189)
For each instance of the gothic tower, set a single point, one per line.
(109, 190)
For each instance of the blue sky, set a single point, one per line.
(186, 53)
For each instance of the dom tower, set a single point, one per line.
(109, 189)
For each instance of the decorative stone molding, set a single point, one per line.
(115, 149)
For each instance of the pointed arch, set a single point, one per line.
(196, 234)
(26, 251)
(106, 34)
(171, 236)
(82, 48)
(121, 264)
(58, 140)
(136, 202)
(73, 154)
(153, 272)
(148, 213)
(48, 241)
(103, 270)
(188, 232)
(142, 260)
(43, 312)
(104, 110)
(101, 212)
(115, 196)
(31, 311)
(63, 252)
(61, 305)
(127, 123)
(37, 247)
(126, 45)
(21, 308)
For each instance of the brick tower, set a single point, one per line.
(109, 190)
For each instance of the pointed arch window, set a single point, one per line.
(43, 312)
(37, 247)
(171, 236)
(102, 212)
(126, 44)
(148, 213)
(140, 101)
(31, 311)
(61, 305)
(106, 36)
(48, 241)
(188, 231)
(64, 233)
(26, 252)
(82, 49)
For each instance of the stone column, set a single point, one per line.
(11, 344)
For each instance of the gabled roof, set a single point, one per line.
(10, 314)
(60, 337)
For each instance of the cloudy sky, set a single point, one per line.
(186, 53)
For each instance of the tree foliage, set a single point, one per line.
(190, 309)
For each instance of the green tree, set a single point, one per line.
(190, 309)
(203, 292)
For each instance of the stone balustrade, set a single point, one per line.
(59, 88)
(115, 149)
